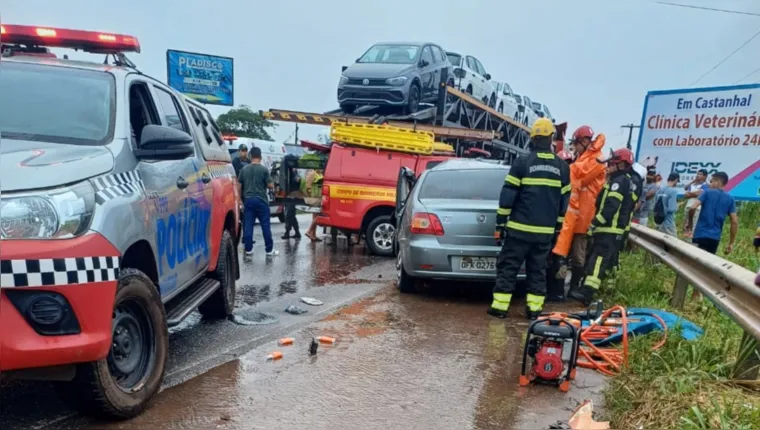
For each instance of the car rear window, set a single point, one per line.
(478, 184)
(454, 59)
(56, 104)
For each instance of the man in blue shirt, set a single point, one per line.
(716, 205)
(669, 196)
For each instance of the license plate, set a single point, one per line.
(479, 264)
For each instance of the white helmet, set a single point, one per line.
(640, 170)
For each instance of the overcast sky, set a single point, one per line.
(590, 61)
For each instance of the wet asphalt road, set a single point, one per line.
(430, 360)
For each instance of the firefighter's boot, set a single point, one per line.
(576, 276)
(500, 305)
(583, 294)
(531, 314)
(497, 313)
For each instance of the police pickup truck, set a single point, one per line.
(117, 218)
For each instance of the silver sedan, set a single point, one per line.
(446, 223)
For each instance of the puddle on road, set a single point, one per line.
(252, 318)
(416, 361)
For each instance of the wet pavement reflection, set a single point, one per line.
(431, 360)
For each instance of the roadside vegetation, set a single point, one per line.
(685, 384)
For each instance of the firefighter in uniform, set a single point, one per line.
(532, 207)
(637, 187)
(614, 206)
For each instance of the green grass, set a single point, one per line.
(683, 384)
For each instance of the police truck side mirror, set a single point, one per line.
(158, 142)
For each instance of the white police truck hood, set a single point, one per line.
(30, 165)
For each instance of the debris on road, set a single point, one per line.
(311, 301)
(276, 355)
(295, 310)
(326, 339)
(313, 347)
(285, 341)
(582, 419)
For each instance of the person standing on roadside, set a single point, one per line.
(255, 182)
(693, 190)
(667, 196)
(532, 205)
(644, 206)
(587, 176)
(291, 221)
(241, 160)
(716, 205)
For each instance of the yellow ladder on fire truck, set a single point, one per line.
(384, 137)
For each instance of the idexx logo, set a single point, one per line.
(693, 167)
(182, 235)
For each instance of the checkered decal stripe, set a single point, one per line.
(58, 271)
(220, 171)
(110, 187)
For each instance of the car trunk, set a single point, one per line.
(465, 222)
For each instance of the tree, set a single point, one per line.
(244, 122)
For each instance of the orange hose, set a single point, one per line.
(609, 361)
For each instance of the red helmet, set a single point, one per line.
(622, 155)
(583, 131)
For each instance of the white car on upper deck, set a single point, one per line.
(505, 100)
(527, 115)
(471, 77)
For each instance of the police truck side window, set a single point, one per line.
(142, 111)
(172, 114)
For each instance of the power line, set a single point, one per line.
(738, 12)
(748, 75)
(726, 59)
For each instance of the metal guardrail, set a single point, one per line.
(729, 286)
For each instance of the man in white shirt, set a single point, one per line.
(693, 190)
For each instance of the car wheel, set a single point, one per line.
(405, 283)
(469, 89)
(349, 109)
(450, 98)
(413, 99)
(500, 109)
(492, 101)
(379, 236)
(222, 302)
(121, 385)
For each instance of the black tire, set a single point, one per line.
(382, 226)
(500, 109)
(492, 101)
(405, 283)
(222, 302)
(347, 108)
(95, 389)
(413, 99)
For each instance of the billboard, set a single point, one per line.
(206, 78)
(717, 129)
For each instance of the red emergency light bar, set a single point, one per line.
(88, 41)
(229, 137)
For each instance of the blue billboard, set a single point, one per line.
(206, 78)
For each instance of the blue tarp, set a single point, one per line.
(648, 324)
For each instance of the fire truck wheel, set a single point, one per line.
(121, 385)
(379, 236)
(222, 302)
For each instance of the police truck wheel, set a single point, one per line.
(222, 302)
(121, 385)
(405, 283)
(379, 236)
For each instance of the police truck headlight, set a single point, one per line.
(57, 214)
(343, 80)
(397, 82)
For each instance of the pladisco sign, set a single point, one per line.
(716, 129)
(206, 78)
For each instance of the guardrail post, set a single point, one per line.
(748, 360)
(679, 292)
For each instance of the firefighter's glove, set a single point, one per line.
(591, 229)
(562, 267)
(498, 234)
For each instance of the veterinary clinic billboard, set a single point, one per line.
(717, 129)
(206, 78)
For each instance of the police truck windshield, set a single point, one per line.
(463, 184)
(56, 104)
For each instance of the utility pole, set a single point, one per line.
(630, 128)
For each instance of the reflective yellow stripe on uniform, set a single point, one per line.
(505, 212)
(512, 180)
(535, 303)
(560, 219)
(615, 195)
(501, 301)
(593, 280)
(566, 189)
(530, 228)
(600, 218)
(545, 156)
(611, 230)
(556, 183)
